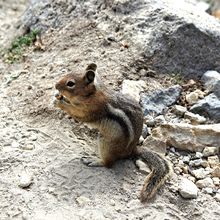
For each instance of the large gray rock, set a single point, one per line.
(158, 101)
(208, 107)
(169, 36)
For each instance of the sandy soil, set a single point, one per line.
(41, 141)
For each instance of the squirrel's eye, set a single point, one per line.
(70, 84)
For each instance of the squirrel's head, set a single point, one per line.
(74, 88)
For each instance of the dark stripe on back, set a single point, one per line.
(120, 121)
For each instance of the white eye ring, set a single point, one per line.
(70, 84)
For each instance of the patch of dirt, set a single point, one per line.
(39, 139)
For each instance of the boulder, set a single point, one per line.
(158, 101)
(169, 36)
(189, 137)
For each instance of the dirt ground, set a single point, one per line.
(41, 141)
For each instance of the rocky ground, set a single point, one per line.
(40, 147)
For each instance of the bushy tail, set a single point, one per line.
(160, 171)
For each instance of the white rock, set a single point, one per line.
(142, 166)
(207, 182)
(179, 110)
(25, 180)
(216, 171)
(216, 181)
(189, 137)
(210, 151)
(15, 144)
(160, 120)
(208, 190)
(199, 173)
(213, 161)
(194, 96)
(195, 118)
(188, 189)
(217, 197)
(198, 155)
(82, 200)
(133, 88)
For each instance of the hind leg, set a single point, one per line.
(106, 157)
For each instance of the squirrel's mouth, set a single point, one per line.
(62, 98)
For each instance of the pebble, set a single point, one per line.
(216, 171)
(145, 131)
(210, 151)
(207, 182)
(213, 161)
(208, 190)
(160, 120)
(82, 200)
(194, 96)
(217, 197)
(186, 159)
(199, 173)
(142, 166)
(216, 181)
(188, 189)
(196, 163)
(179, 110)
(15, 144)
(25, 180)
(198, 155)
(195, 118)
(149, 121)
(27, 147)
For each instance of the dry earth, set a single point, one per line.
(39, 140)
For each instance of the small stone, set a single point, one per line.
(195, 118)
(179, 110)
(216, 171)
(15, 144)
(199, 173)
(27, 147)
(198, 155)
(195, 163)
(194, 96)
(33, 138)
(217, 197)
(186, 159)
(160, 120)
(25, 180)
(145, 131)
(205, 163)
(133, 88)
(177, 170)
(188, 189)
(141, 139)
(210, 151)
(213, 161)
(82, 200)
(142, 166)
(207, 182)
(216, 181)
(191, 178)
(208, 190)
(149, 120)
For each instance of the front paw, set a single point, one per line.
(91, 161)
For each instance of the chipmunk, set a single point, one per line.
(119, 120)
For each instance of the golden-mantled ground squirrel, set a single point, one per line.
(119, 120)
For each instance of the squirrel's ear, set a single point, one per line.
(89, 76)
(91, 66)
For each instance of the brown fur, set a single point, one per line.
(119, 120)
